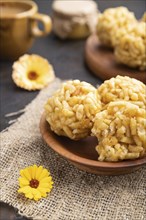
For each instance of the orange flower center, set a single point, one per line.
(34, 183)
(32, 75)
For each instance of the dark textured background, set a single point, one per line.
(67, 58)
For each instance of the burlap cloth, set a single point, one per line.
(76, 195)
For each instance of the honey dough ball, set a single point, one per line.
(130, 28)
(120, 130)
(131, 47)
(123, 88)
(74, 19)
(71, 109)
(110, 21)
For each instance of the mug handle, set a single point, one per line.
(45, 20)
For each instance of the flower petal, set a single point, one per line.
(45, 185)
(30, 171)
(36, 194)
(27, 174)
(23, 181)
(33, 171)
(43, 191)
(29, 195)
(22, 173)
(38, 172)
(25, 189)
(46, 179)
(44, 174)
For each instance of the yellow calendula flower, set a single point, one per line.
(32, 72)
(35, 182)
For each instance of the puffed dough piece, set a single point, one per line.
(121, 132)
(71, 110)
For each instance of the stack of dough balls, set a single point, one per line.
(70, 111)
(115, 113)
(130, 45)
(110, 21)
(118, 28)
(123, 88)
(121, 126)
(120, 130)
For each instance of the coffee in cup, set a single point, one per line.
(19, 27)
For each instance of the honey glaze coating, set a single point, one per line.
(71, 110)
(110, 21)
(130, 45)
(120, 130)
(123, 88)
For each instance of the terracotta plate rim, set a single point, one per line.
(80, 160)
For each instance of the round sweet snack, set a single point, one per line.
(132, 28)
(131, 46)
(74, 19)
(110, 21)
(70, 111)
(120, 130)
(123, 88)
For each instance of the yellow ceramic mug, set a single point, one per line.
(19, 26)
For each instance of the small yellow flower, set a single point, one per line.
(32, 72)
(35, 182)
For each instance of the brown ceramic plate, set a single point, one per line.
(83, 155)
(101, 61)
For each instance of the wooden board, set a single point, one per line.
(101, 61)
